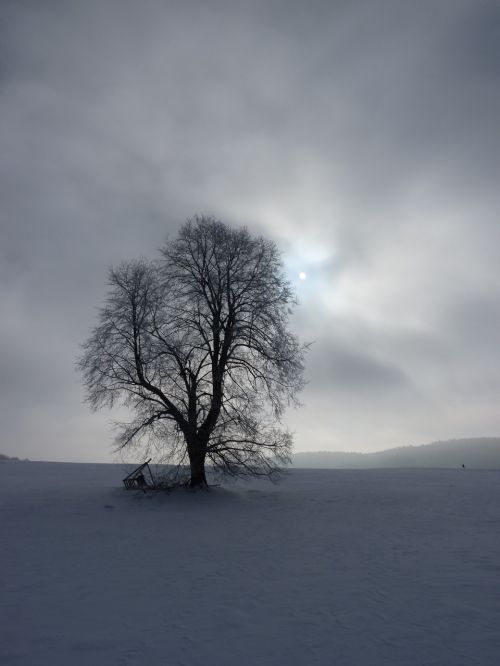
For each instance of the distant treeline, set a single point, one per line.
(4, 457)
(476, 453)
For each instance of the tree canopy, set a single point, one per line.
(197, 344)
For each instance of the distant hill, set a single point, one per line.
(4, 457)
(476, 453)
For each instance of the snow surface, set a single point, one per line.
(332, 567)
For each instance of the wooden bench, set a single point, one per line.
(137, 480)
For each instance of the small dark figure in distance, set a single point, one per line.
(463, 466)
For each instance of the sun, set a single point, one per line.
(302, 275)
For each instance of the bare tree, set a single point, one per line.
(197, 344)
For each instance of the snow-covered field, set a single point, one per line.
(330, 568)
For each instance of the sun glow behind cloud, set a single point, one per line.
(306, 260)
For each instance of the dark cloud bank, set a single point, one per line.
(362, 136)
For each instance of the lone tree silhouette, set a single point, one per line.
(197, 345)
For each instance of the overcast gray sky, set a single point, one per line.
(363, 136)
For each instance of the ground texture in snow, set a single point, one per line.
(332, 567)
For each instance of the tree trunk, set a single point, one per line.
(197, 464)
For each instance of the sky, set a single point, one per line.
(362, 136)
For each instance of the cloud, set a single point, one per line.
(337, 369)
(361, 136)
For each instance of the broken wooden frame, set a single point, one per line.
(137, 480)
